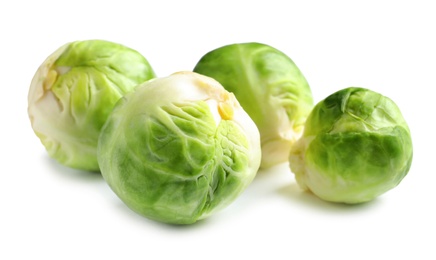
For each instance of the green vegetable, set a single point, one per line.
(356, 146)
(73, 92)
(179, 148)
(269, 86)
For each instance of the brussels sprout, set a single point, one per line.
(73, 92)
(269, 86)
(356, 146)
(179, 148)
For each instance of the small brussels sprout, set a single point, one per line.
(356, 146)
(269, 86)
(73, 92)
(179, 148)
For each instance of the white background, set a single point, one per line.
(51, 212)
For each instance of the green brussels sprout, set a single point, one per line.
(269, 86)
(179, 148)
(356, 146)
(73, 92)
